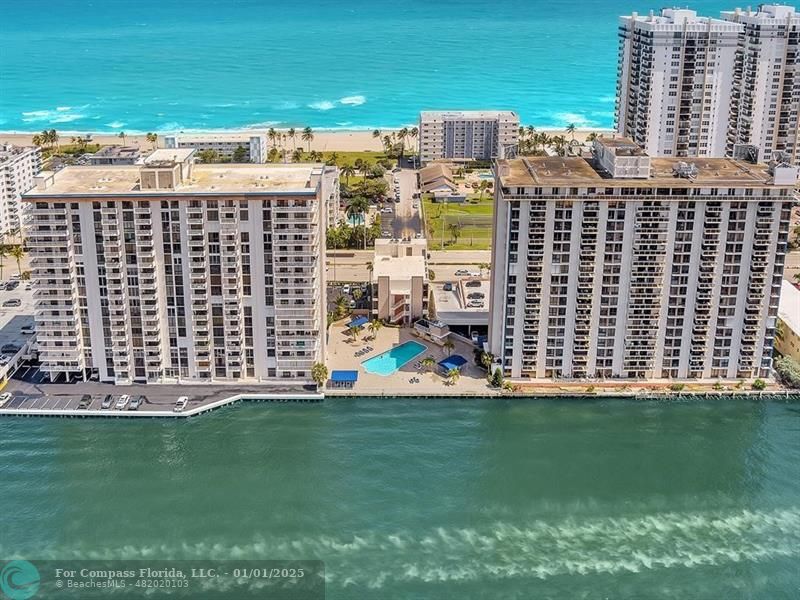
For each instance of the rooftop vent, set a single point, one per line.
(685, 170)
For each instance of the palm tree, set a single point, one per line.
(455, 231)
(272, 135)
(341, 306)
(122, 135)
(37, 140)
(428, 363)
(319, 373)
(292, 133)
(308, 136)
(347, 171)
(359, 206)
(365, 168)
(152, 138)
(370, 266)
(18, 253)
(53, 135)
(796, 277)
(374, 327)
(352, 332)
(334, 156)
(297, 155)
(453, 375)
(402, 135)
(571, 130)
(449, 346)
(592, 136)
(376, 133)
(387, 143)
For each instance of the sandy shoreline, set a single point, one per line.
(343, 141)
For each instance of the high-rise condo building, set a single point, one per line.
(172, 271)
(675, 77)
(224, 144)
(766, 92)
(18, 166)
(467, 134)
(626, 266)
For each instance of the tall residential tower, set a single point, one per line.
(18, 166)
(626, 266)
(675, 77)
(171, 271)
(466, 134)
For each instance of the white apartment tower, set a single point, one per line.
(224, 144)
(177, 272)
(626, 266)
(466, 134)
(18, 166)
(766, 90)
(675, 75)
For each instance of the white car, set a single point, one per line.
(387, 209)
(181, 403)
(346, 288)
(4, 359)
(5, 397)
(462, 272)
(122, 401)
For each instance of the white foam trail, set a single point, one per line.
(353, 100)
(322, 105)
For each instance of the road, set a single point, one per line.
(405, 221)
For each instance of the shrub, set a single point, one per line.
(718, 386)
(759, 384)
(788, 371)
(677, 387)
(497, 378)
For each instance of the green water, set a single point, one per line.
(430, 498)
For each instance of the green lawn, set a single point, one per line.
(474, 219)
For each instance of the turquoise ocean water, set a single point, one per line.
(112, 65)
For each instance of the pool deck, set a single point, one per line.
(342, 355)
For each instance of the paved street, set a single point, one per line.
(405, 221)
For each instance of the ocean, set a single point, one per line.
(102, 66)
(429, 498)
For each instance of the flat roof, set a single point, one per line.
(344, 376)
(13, 319)
(245, 178)
(576, 171)
(451, 305)
(10, 151)
(466, 114)
(211, 136)
(789, 306)
(169, 155)
(400, 269)
(117, 152)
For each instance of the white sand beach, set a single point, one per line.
(341, 141)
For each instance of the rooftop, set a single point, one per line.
(9, 151)
(166, 155)
(789, 307)
(399, 270)
(672, 19)
(211, 136)
(117, 152)
(205, 179)
(451, 306)
(467, 114)
(569, 171)
(621, 146)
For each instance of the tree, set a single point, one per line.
(455, 231)
(486, 360)
(759, 384)
(359, 206)
(357, 294)
(428, 363)
(347, 171)
(240, 155)
(376, 133)
(18, 253)
(272, 155)
(497, 378)
(272, 135)
(453, 375)
(341, 306)
(370, 266)
(592, 137)
(208, 156)
(297, 155)
(36, 140)
(3, 254)
(292, 133)
(431, 275)
(796, 277)
(52, 134)
(308, 136)
(374, 327)
(402, 135)
(319, 373)
(332, 159)
(571, 130)
(122, 135)
(152, 138)
(352, 332)
(483, 266)
(788, 371)
(482, 186)
(449, 346)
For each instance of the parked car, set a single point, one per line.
(86, 400)
(387, 209)
(476, 295)
(12, 285)
(11, 303)
(28, 329)
(15, 276)
(4, 359)
(472, 284)
(386, 233)
(396, 170)
(181, 403)
(122, 402)
(474, 337)
(475, 304)
(462, 272)
(418, 236)
(10, 349)
(136, 403)
(346, 288)
(4, 397)
(107, 401)
(447, 287)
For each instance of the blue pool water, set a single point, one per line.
(161, 65)
(392, 360)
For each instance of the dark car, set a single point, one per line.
(107, 401)
(12, 302)
(136, 402)
(473, 284)
(448, 287)
(86, 400)
(10, 349)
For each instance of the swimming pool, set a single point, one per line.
(392, 360)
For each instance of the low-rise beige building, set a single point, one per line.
(400, 280)
(787, 339)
